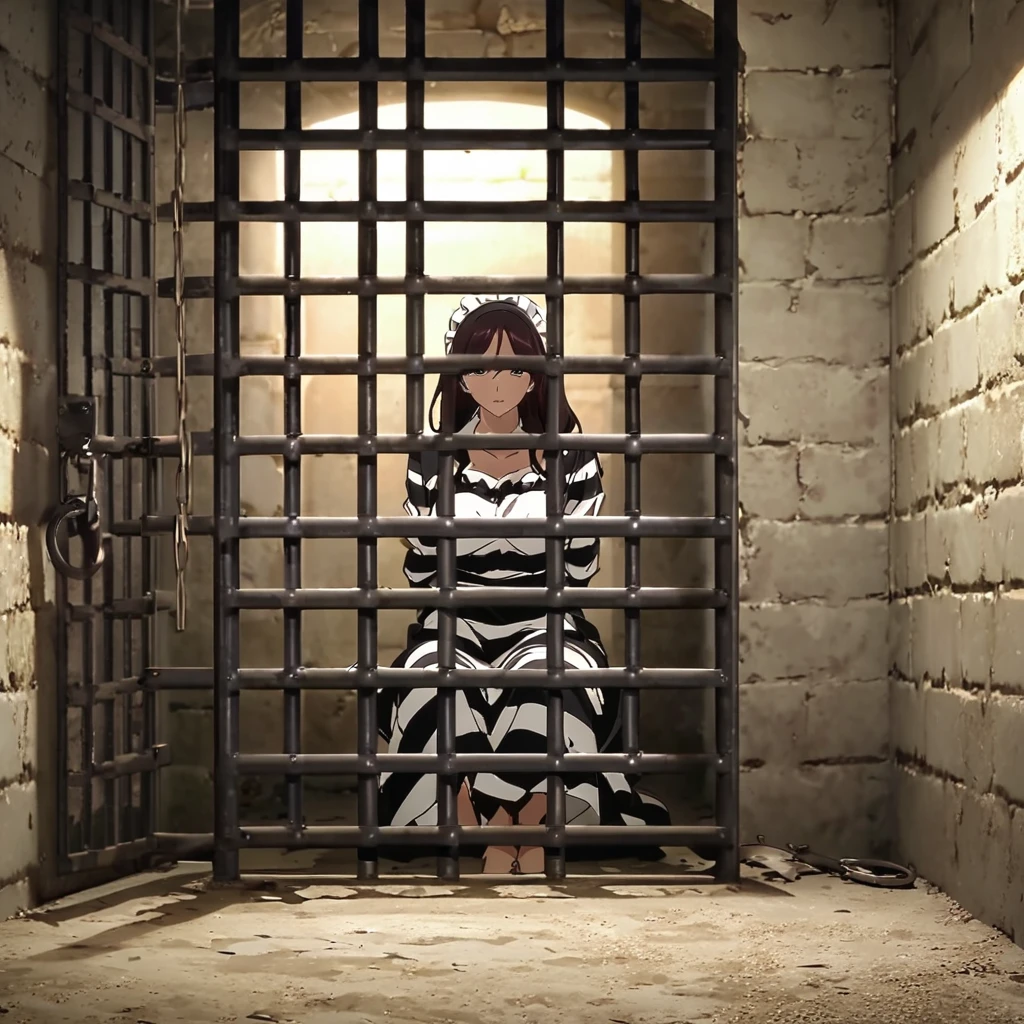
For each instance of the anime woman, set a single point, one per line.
(504, 485)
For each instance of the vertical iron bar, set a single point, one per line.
(631, 311)
(152, 498)
(62, 623)
(293, 414)
(726, 115)
(128, 305)
(366, 473)
(447, 581)
(89, 626)
(112, 788)
(554, 855)
(415, 51)
(226, 462)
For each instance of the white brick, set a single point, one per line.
(850, 406)
(25, 34)
(846, 324)
(773, 247)
(26, 122)
(934, 202)
(1011, 106)
(768, 481)
(832, 176)
(840, 482)
(790, 641)
(797, 561)
(783, 105)
(977, 166)
(19, 850)
(977, 267)
(17, 730)
(1000, 338)
(25, 217)
(850, 247)
(798, 35)
(903, 240)
(850, 801)
(27, 314)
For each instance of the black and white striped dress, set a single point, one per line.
(512, 720)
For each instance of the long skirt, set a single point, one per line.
(509, 721)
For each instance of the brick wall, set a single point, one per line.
(957, 544)
(26, 425)
(814, 384)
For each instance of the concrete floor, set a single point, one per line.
(171, 947)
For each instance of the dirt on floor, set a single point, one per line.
(172, 947)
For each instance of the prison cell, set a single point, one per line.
(111, 370)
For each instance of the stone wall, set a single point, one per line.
(958, 352)
(814, 467)
(27, 421)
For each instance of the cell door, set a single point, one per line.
(107, 602)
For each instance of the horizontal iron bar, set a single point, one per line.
(463, 69)
(368, 837)
(307, 211)
(295, 368)
(324, 527)
(124, 608)
(420, 678)
(199, 95)
(403, 444)
(110, 856)
(106, 34)
(370, 287)
(374, 140)
(112, 282)
(124, 764)
(476, 597)
(81, 695)
(453, 764)
(86, 193)
(199, 846)
(97, 108)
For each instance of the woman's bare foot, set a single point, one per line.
(531, 860)
(467, 812)
(499, 860)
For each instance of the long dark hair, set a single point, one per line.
(473, 337)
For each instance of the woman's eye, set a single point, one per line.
(477, 373)
(517, 373)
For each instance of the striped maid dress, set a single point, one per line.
(512, 720)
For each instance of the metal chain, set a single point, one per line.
(183, 477)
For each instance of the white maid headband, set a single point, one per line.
(472, 302)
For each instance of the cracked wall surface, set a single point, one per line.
(957, 568)
(27, 419)
(814, 460)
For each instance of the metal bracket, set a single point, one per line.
(199, 94)
(76, 424)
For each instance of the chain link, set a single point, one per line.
(183, 477)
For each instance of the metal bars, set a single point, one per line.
(106, 743)
(726, 325)
(366, 467)
(294, 30)
(134, 367)
(226, 470)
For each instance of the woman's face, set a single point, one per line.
(498, 391)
